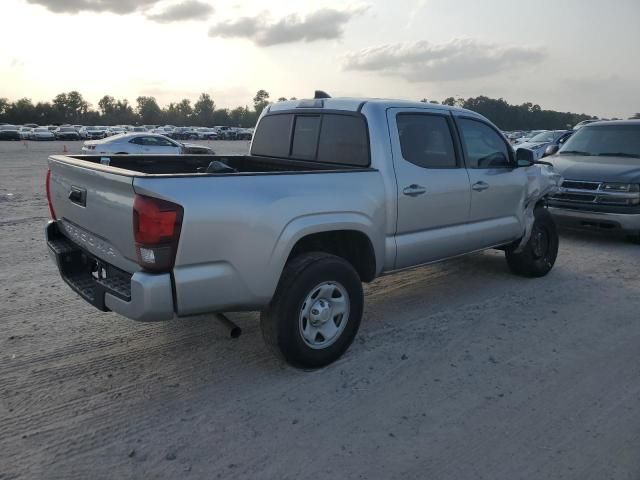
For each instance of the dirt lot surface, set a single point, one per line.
(460, 371)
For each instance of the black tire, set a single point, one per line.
(281, 322)
(634, 238)
(540, 253)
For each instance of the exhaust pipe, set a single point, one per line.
(234, 330)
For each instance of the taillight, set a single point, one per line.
(156, 228)
(52, 213)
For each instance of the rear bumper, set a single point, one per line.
(140, 296)
(626, 223)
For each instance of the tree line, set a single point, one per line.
(527, 116)
(73, 109)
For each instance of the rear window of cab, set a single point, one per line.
(323, 137)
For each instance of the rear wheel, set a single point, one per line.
(315, 312)
(539, 254)
(634, 238)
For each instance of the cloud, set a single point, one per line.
(179, 12)
(323, 24)
(16, 63)
(77, 6)
(459, 59)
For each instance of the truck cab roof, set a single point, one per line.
(357, 104)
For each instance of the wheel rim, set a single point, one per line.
(324, 315)
(540, 242)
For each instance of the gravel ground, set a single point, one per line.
(460, 371)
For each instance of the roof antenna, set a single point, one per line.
(321, 94)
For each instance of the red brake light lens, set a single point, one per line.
(154, 221)
(156, 228)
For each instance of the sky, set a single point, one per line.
(568, 55)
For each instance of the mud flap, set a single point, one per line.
(542, 181)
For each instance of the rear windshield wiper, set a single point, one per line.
(619, 154)
(574, 152)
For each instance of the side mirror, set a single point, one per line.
(551, 150)
(525, 157)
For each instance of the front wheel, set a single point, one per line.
(315, 312)
(539, 254)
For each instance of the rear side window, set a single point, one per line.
(305, 137)
(327, 138)
(344, 139)
(156, 142)
(426, 140)
(484, 147)
(272, 137)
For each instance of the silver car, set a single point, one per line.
(25, 133)
(42, 133)
(115, 131)
(141, 144)
(92, 132)
(539, 143)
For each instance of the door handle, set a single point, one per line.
(78, 196)
(414, 190)
(480, 186)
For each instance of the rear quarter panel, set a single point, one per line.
(238, 230)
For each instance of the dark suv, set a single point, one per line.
(184, 133)
(600, 165)
(9, 132)
(66, 133)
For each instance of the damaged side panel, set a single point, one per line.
(542, 181)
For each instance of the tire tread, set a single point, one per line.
(270, 317)
(523, 263)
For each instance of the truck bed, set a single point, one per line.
(236, 229)
(180, 165)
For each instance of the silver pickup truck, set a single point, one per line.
(334, 192)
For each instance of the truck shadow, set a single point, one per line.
(614, 239)
(393, 300)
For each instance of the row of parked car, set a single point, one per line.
(539, 141)
(198, 133)
(81, 132)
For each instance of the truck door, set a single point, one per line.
(498, 187)
(433, 186)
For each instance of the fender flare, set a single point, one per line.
(305, 225)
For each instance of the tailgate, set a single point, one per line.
(94, 209)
